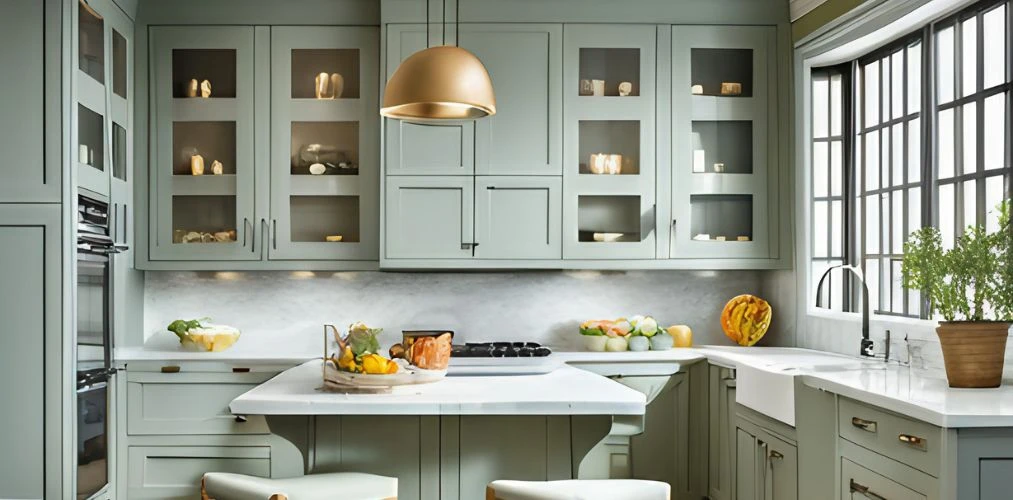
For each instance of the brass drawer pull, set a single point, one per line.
(240, 370)
(913, 441)
(240, 419)
(865, 491)
(865, 425)
(170, 369)
(776, 455)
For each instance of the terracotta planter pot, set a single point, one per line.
(973, 352)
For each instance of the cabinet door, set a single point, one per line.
(325, 166)
(517, 217)
(31, 105)
(175, 471)
(724, 142)
(858, 482)
(90, 112)
(525, 136)
(722, 436)
(608, 142)
(747, 460)
(202, 217)
(423, 148)
(779, 466)
(429, 217)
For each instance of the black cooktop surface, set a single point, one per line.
(501, 350)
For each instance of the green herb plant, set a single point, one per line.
(971, 281)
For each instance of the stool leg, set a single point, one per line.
(278, 496)
(203, 489)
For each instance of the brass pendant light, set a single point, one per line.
(439, 83)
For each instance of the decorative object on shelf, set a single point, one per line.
(439, 83)
(317, 169)
(192, 88)
(720, 238)
(320, 159)
(337, 85)
(731, 88)
(586, 88)
(322, 86)
(719, 168)
(698, 161)
(597, 88)
(696, 90)
(605, 164)
(185, 236)
(745, 319)
(702, 237)
(607, 237)
(196, 165)
(217, 168)
(971, 287)
(224, 236)
(625, 88)
(205, 89)
(334, 238)
(742, 238)
(84, 154)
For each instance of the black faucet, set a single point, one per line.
(866, 349)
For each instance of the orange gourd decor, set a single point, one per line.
(746, 319)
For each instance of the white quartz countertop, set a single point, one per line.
(564, 391)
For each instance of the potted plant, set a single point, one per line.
(971, 287)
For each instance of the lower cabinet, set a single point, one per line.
(766, 465)
(721, 433)
(166, 472)
(860, 482)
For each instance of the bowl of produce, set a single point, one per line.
(202, 335)
(636, 333)
(357, 361)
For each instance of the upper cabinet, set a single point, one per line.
(202, 168)
(283, 180)
(31, 104)
(724, 143)
(608, 142)
(325, 165)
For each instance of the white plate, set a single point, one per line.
(406, 375)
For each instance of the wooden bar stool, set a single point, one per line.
(579, 489)
(329, 486)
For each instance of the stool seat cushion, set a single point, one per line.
(329, 486)
(580, 489)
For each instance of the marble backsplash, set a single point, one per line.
(539, 306)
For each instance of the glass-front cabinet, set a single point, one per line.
(203, 164)
(724, 119)
(324, 144)
(91, 151)
(609, 142)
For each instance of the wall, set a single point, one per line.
(540, 306)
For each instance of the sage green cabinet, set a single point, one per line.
(31, 105)
(518, 217)
(324, 169)
(429, 217)
(174, 472)
(609, 142)
(219, 209)
(766, 466)
(721, 437)
(725, 167)
(858, 482)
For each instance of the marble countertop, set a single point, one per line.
(564, 391)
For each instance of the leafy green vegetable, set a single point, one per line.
(182, 327)
(363, 341)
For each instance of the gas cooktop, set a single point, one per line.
(501, 350)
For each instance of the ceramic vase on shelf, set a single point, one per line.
(205, 89)
(625, 88)
(196, 165)
(192, 88)
(605, 164)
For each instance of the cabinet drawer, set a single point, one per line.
(188, 408)
(166, 472)
(908, 441)
(859, 482)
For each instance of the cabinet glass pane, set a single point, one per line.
(322, 218)
(90, 128)
(608, 218)
(724, 147)
(217, 66)
(119, 65)
(721, 217)
(325, 73)
(333, 147)
(609, 147)
(203, 219)
(211, 140)
(119, 152)
(90, 42)
(722, 72)
(603, 70)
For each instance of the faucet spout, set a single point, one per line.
(866, 348)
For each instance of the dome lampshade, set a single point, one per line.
(439, 83)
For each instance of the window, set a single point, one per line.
(889, 156)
